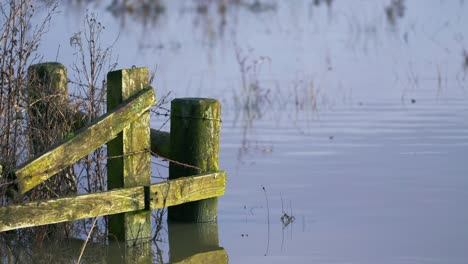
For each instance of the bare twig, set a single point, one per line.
(86, 241)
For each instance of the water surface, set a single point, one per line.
(352, 117)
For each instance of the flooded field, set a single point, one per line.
(345, 123)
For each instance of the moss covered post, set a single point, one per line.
(129, 163)
(194, 141)
(47, 98)
(49, 119)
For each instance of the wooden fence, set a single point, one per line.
(190, 193)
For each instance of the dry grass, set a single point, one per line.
(92, 62)
(35, 115)
(18, 42)
(24, 129)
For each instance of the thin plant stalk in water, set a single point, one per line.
(268, 220)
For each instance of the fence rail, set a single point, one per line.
(125, 128)
(159, 195)
(82, 142)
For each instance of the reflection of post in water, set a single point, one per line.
(192, 227)
(195, 243)
(138, 253)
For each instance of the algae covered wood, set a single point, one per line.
(131, 165)
(83, 141)
(162, 194)
(187, 189)
(47, 100)
(160, 143)
(49, 117)
(71, 208)
(194, 140)
(111, 202)
(215, 256)
(160, 140)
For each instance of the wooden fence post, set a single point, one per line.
(49, 118)
(131, 165)
(47, 97)
(194, 140)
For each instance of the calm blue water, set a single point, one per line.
(358, 125)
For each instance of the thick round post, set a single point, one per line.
(47, 97)
(194, 141)
(131, 162)
(49, 119)
(160, 143)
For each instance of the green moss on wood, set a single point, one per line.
(71, 208)
(158, 195)
(187, 189)
(160, 143)
(107, 127)
(70, 136)
(49, 76)
(132, 165)
(47, 100)
(194, 140)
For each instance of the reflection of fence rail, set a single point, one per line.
(194, 140)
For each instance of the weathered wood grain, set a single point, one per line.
(160, 143)
(160, 140)
(132, 165)
(187, 189)
(71, 208)
(83, 142)
(173, 192)
(47, 100)
(194, 140)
